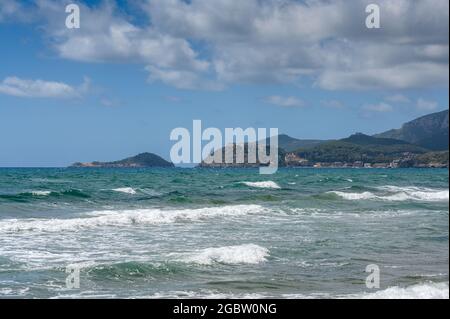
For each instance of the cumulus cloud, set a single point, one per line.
(288, 101)
(284, 41)
(40, 89)
(181, 79)
(426, 105)
(405, 76)
(108, 36)
(210, 44)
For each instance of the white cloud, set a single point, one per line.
(425, 105)
(210, 44)
(284, 41)
(107, 36)
(41, 89)
(378, 108)
(288, 101)
(416, 75)
(398, 98)
(181, 79)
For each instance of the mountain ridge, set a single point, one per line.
(360, 148)
(429, 131)
(418, 143)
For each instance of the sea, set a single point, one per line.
(224, 233)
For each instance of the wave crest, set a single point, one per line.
(243, 254)
(420, 291)
(126, 218)
(396, 193)
(126, 190)
(266, 184)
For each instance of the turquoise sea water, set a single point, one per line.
(164, 233)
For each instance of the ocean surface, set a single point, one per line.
(225, 233)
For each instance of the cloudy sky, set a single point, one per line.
(135, 70)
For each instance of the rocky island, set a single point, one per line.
(143, 160)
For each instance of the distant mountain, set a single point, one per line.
(430, 131)
(360, 147)
(366, 140)
(143, 160)
(290, 144)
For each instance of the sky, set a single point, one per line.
(135, 70)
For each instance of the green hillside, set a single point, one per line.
(360, 147)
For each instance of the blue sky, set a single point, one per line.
(136, 70)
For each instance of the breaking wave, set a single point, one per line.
(126, 190)
(126, 218)
(266, 184)
(420, 291)
(243, 254)
(41, 193)
(395, 193)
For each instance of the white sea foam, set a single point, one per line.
(9, 292)
(266, 184)
(6, 291)
(243, 254)
(127, 218)
(420, 291)
(419, 193)
(41, 193)
(126, 190)
(396, 193)
(337, 214)
(355, 196)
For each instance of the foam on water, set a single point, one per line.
(355, 196)
(126, 190)
(266, 184)
(419, 193)
(206, 234)
(396, 193)
(126, 218)
(41, 193)
(243, 254)
(420, 291)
